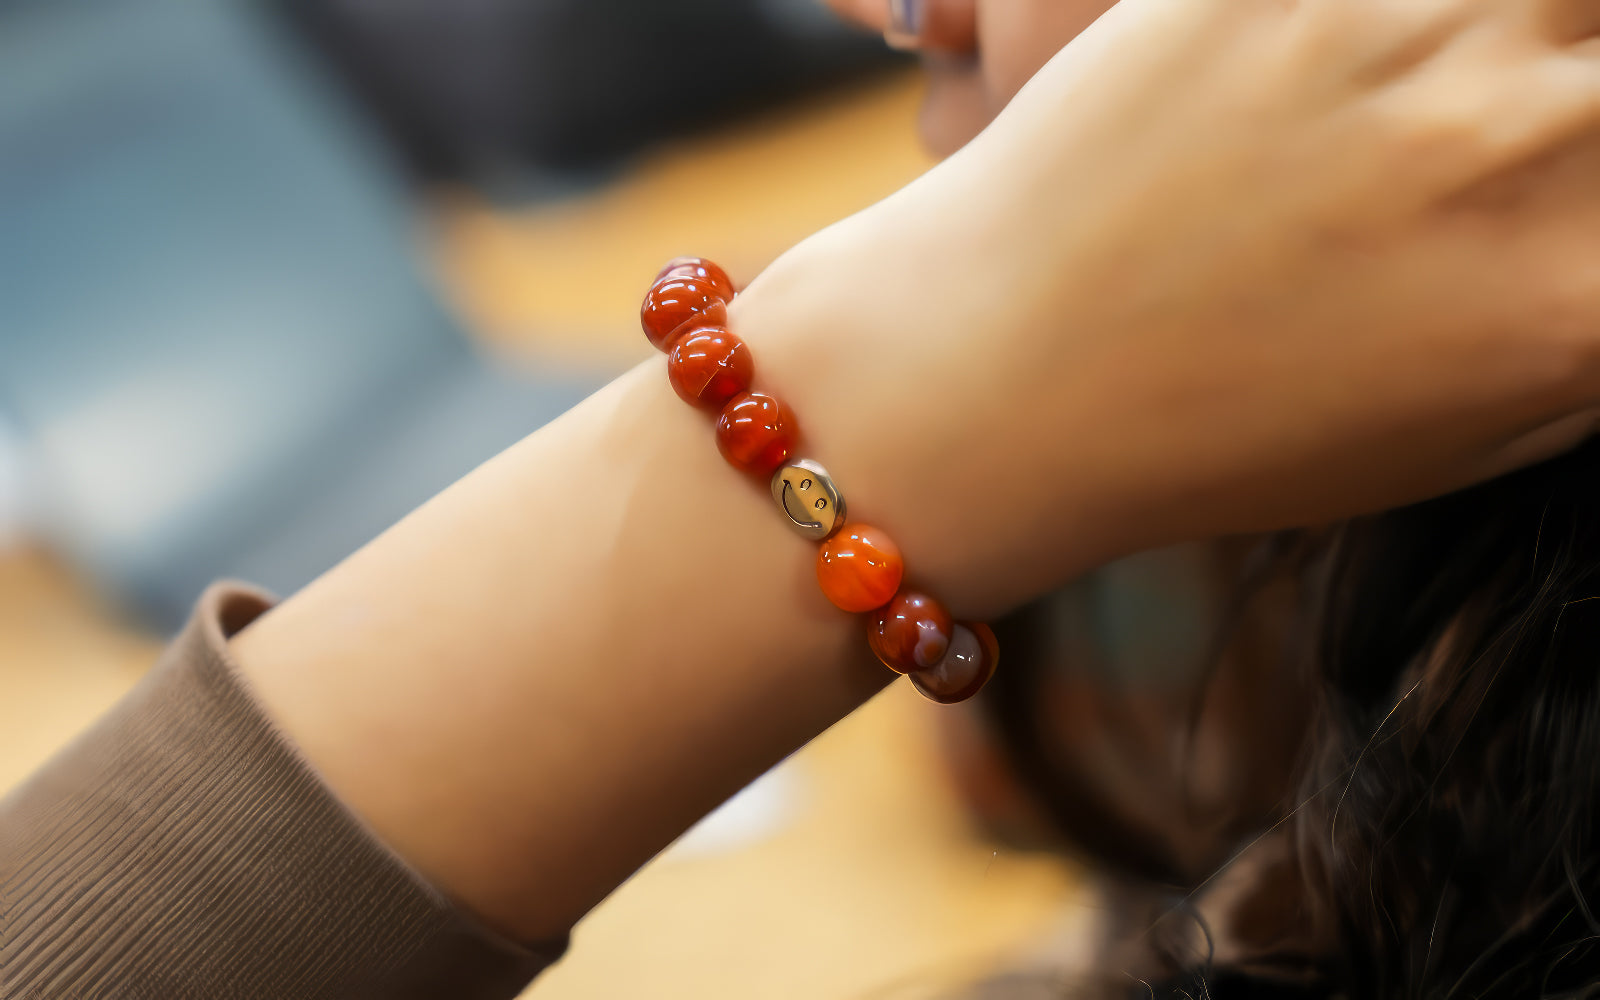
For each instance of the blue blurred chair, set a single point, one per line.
(214, 334)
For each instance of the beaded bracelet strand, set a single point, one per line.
(859, 567)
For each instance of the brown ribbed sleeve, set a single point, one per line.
(181, 848)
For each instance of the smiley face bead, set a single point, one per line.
(859, 567)
(806, 494)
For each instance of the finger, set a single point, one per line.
(944, 25)
(1470, 124)
(1384, 39)
(1558, 102)
(905, 24)
(872, 14)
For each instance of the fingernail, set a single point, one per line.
(905, 23)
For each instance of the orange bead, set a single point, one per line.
(910, 633)
(859, 568)
(757, 433)
(971, 660)
(674, 302)
(699, 267)
(709, 366)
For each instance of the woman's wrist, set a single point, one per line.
(534, 682)
(927, 410)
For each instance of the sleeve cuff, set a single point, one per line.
(183, 847)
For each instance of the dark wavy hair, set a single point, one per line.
(1441, 811)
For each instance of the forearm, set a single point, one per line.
(533, 683)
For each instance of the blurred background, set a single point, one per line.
(272, 272)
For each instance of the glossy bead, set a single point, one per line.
(673, 302)
(967, 666)
(699, 267)
(860, 568)
(910, 633)
(757, 433)
(708, 366)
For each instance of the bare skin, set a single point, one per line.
(978, 54)
(1222, 266)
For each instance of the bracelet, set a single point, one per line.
(859, 568)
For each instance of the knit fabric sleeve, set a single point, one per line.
(183, 848)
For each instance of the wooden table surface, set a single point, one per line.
(864, 881)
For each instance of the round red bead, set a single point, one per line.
(709, 366)
(860, 568)
(675, 301)
(757, 433)
(911, 632)
(699, 267)
(971, 660)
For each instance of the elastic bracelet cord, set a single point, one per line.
(859, 567)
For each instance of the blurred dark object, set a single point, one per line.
(1149, 714)
(487, 90)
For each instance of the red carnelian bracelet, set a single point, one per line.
(859, 567)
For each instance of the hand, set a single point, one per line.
(949, 25)
(1223, 266)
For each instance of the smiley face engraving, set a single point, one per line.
(809, 499)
